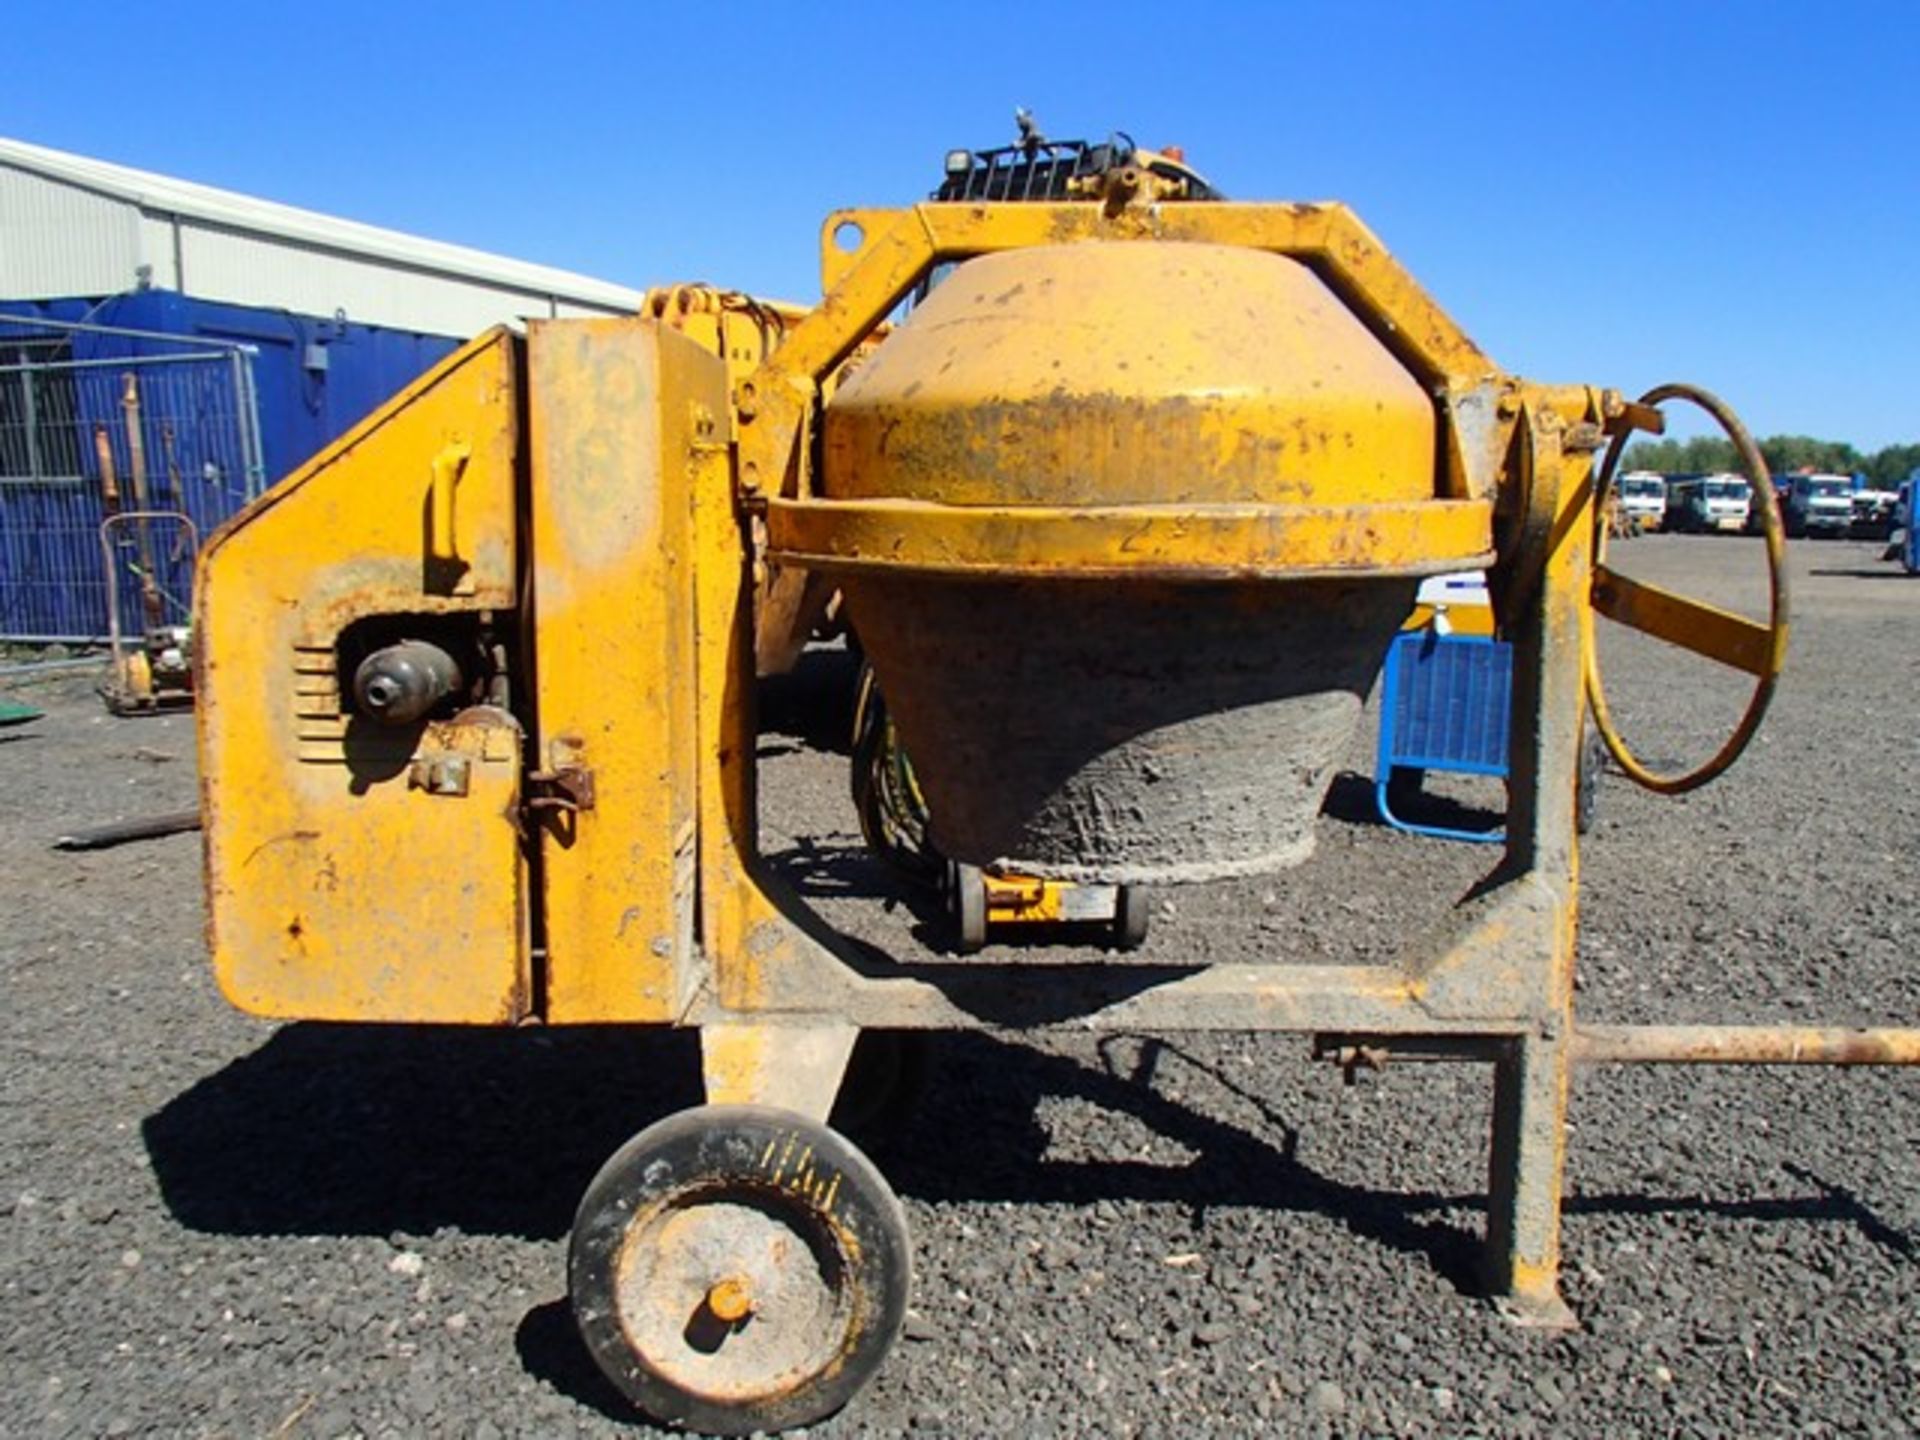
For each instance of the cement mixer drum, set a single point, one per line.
(1160, 727)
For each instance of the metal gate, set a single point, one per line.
(94, 421)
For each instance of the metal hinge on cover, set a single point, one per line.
(566, 787)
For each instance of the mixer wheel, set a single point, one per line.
(737, 1268)
(967, 894)
(1132, 913)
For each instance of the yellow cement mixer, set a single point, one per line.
(1125, 512)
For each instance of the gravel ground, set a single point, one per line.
(212, 1226)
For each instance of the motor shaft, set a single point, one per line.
(401, 683)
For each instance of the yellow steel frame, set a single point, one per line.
(610, 420)
(871, 259)
(1021, 899)
(1197, 542)
(1494, 982)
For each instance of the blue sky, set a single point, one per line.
(1621, 194)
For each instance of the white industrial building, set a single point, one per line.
(234, 338)
(74, 226)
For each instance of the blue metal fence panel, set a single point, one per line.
(1449, 702)
(315, 378)
(1445, 704)
(228, 399)
(68, 427)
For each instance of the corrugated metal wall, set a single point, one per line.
(62, 238)
(250, 270)
(334, 318)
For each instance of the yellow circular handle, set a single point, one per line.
(1768, 665)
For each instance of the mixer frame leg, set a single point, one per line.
(794, 1065)
(1523, 1202)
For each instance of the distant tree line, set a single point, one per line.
(1707, 454)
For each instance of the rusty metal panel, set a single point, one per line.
(1745, 1045)
(618, 408)
(356, 872)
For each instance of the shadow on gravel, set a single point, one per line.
(550, 1349)
(1835, 1204)
(985, 1089)
(1351, 800)
(1843, 1204)
(840, 870)
(1893, 574)
(813, 702)
(372, 1130)
(351, 1130)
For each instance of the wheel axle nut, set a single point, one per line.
(729, 1300)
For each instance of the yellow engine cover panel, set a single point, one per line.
(356, 872)
(618, 409)
(1119, 372)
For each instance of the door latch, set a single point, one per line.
(566, 787)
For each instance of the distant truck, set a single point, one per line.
(1819, 505)
(1643, 500)
(1873, 512)
(1708, 504)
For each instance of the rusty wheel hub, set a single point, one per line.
(737, 1298)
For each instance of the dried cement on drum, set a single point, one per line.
(1139, 734)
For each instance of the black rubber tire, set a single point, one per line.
(967, 895)
(869, 732)
(1132, 914)
(799, 1175)
(897, 839)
